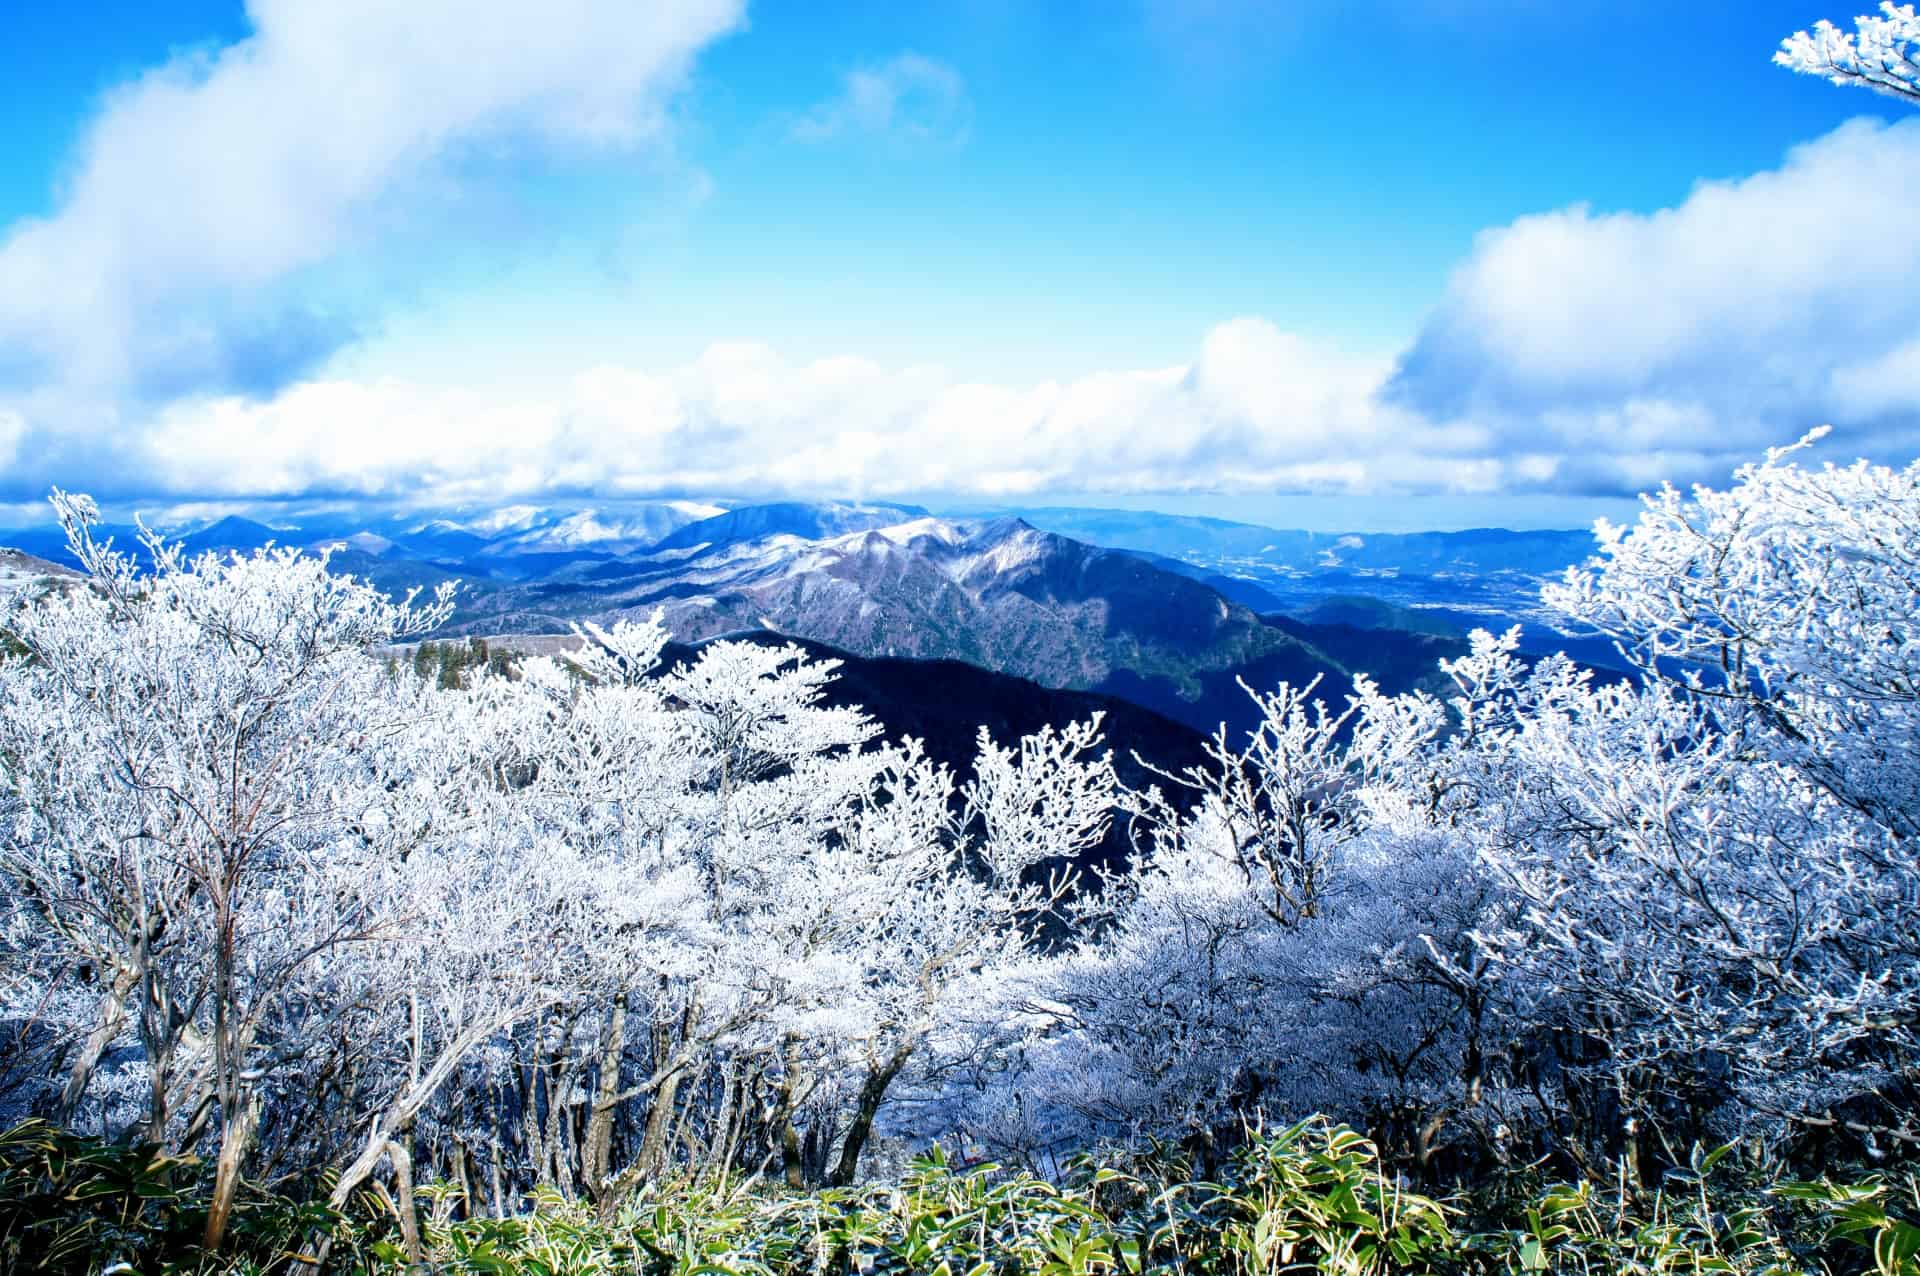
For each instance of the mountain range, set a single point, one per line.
(1171, 614)
(1199, 540)
(20, 570)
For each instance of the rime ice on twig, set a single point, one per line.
(1883, 54)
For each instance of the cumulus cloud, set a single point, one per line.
(1572, 352)
(1672, 343)
(202, 191)
(1256, 409)
(906, 99)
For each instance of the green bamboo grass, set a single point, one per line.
(1311, 1198)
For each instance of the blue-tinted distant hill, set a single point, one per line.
(1217, 541)
(816, 520)
(1493, 575)
(239, 535)
(442, 541)
(50, 542)
(1172, 632)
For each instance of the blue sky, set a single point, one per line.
(1285, 261)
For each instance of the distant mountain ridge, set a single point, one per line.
(1173, 632)
(1426, 581)
(481, 542)
(1000, 595)
(485, 545)
(809, 521)
(1198, 539)
(24, 572)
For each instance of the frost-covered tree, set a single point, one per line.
(800, 906)
(492, 920)
(1717, 861)
(1882, 53)
(958, 901)
(555, 926)
(1591, 913)
(204, 778)
(617, 777)
(1295, 935)
(572, 924)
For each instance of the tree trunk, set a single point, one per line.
(792, 1161)
(792, 1156)
(531, 1136)
(158, 1037)
(403, 1206)
(113, 1016)
(236, 1137)
(556, 1136)
(743, 1089)
(655, 1143)
(596, 1149)
(497, 1180)
(230, 1041)
(872, 1091)
(719, 1149)
(463, 1174)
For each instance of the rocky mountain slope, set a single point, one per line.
(20, 571)
(999, 595)
(887, 581)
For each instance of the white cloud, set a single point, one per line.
(1882, 386)
(1572, 352)
(203, 187)
(906, 99)
(1753, 310)
(13, 428)
(1256, 409)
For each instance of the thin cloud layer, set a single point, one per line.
(203, 190)
(13, 428)
(907, 99)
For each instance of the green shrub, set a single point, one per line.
(1311, 1198)
(70, 1204)
(1871, 1215)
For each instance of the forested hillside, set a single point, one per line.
(584, 924)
